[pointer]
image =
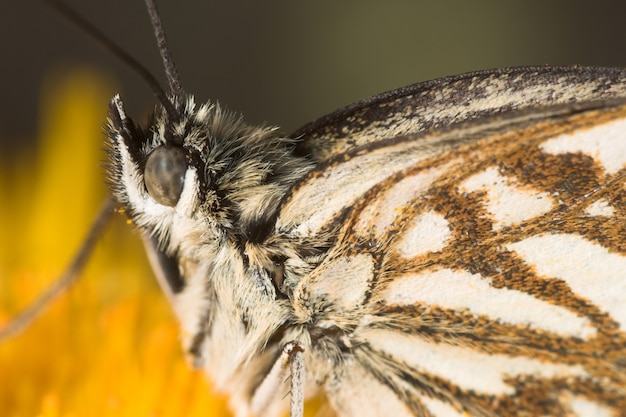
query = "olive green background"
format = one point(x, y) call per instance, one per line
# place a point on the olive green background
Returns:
point(288, 62)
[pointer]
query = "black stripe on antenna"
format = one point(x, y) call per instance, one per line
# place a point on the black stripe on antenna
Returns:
point(166, 56)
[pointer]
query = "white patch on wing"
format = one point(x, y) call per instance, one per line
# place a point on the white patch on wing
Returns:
point(509, 203)
point(356, 393)
point(343, 280)
point(315, 203)
point(428, 232)
point(439, 408)
point(462, 290)
point(463, 366)
point(381, 213)
point(600, 208)
point(589, 269)
point(582, 407)
point(604, 143)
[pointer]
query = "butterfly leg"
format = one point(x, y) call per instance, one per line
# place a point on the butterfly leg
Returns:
point(296, 362)
point(290, 364)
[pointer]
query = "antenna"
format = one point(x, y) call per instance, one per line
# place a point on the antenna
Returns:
point(104, 41)
point(166, 56)
point(71, 274)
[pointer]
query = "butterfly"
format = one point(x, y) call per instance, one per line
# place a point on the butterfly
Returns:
point(454, 247)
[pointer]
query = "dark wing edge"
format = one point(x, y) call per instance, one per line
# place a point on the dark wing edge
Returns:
point(450, 100)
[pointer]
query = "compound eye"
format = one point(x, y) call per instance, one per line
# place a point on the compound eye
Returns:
point(164, 174)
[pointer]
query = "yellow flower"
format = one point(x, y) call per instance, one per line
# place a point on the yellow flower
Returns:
point(109, 346)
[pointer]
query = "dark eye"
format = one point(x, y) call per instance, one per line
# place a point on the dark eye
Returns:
point(165, 173)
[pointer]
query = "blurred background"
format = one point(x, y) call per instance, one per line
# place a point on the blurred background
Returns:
point(288, 62)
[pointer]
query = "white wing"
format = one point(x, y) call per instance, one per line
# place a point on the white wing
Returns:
point(478, 270)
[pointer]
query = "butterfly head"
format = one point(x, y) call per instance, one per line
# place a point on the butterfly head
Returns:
point(201, 177)
point(200, 189)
